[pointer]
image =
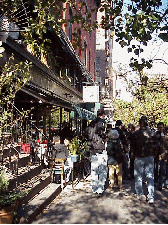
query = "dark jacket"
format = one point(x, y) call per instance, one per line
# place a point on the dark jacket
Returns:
point(144, 143)
point(163, 145)
point(130, 142)
point(114, 151)
point(122, 137)
point(95, 136)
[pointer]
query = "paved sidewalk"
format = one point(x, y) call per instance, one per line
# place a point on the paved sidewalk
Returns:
point(81, 206)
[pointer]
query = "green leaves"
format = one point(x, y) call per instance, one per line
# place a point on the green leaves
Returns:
point(13, 77)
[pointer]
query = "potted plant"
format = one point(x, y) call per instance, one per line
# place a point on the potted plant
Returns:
point(9, 201)
point(76, 148)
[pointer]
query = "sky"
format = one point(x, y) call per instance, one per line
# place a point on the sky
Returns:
point(155, 50)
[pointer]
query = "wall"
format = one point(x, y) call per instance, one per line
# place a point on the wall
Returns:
point(87, 39)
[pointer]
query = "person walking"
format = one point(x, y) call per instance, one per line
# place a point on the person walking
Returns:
point(96, 139)
point(161, 156)
point(144, 147)
point(166, 154)
point(131, 130)
point(115, 158)
point(122, 136)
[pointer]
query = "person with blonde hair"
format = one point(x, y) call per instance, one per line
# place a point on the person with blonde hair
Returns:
point(115, 158)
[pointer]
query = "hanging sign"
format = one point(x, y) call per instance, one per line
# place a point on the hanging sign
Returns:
point(91, 93)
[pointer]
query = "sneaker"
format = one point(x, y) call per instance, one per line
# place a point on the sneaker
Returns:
point(100, 194)
point(120, 188)
point(142, 198)
point(151, 201)
point(159, 188)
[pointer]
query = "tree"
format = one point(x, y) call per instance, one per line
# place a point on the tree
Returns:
point(150, 99)
point(14, 76)
point(137, 19)
point(129, 20)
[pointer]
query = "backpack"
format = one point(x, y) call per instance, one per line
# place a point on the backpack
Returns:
point(94, 133)
point(99, 128)
point(115, 149)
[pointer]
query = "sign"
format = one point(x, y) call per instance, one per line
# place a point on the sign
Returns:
point(91, 93)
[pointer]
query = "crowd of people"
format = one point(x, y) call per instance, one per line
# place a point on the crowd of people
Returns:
point(130, 152)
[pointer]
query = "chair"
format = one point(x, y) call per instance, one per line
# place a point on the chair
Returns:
point(58, 168)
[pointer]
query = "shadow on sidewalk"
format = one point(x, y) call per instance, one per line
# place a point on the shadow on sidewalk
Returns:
point(81, 206)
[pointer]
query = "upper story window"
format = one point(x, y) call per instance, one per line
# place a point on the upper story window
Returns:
point(70, 24)
point(98, 64)
point(89, 61)
point(79, 35)
point(86, 11)
point(85, 53)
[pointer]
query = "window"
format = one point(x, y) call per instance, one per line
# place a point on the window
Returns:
point(70, 24)
point(97, 63)
point(85, 53)
point(89, 61)
point(106, 82)
point(79, 35)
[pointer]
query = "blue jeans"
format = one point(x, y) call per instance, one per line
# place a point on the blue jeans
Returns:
point(126, 166)
point(162, 174)
point(144, 169)
point(98, 172)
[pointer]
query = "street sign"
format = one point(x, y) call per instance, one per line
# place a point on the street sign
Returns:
point(91, 93)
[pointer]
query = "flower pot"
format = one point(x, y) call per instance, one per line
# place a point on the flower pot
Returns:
point(74, 158)
point(6, 215)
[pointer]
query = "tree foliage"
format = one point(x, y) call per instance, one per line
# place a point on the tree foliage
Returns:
point(13, 77)
point(150, 99)
point(129, 20)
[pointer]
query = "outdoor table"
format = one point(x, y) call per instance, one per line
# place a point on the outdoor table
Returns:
point(25, 148)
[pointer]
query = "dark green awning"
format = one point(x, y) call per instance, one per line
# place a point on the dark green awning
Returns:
point(84, 114)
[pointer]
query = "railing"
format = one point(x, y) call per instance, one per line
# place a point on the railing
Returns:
point(9, 147)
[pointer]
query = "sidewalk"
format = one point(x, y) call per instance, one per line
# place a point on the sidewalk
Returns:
point(81, 206)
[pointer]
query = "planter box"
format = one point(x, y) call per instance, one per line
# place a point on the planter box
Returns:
point(6, 215)
point(74, 158)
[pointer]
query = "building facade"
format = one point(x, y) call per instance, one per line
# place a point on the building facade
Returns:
point(58, 78)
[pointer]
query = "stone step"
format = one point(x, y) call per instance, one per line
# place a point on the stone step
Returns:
point(36, 205)
point(21, 162)
point(37, 188)
point(22, 178)
point(11, 151)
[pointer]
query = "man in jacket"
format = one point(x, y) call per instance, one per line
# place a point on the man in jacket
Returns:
point(131, 130)
point(161, 159)
point(144, 147)
point(96, 141)
point(122, 137)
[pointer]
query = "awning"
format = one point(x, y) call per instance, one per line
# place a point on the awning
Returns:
point(84, 114)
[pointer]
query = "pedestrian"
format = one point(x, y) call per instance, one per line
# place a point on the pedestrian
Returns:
point(115, 158)
point(161, 156)
point(131, 130)
point(65, 133)
point(96, 141)
point(144, 147)
point(166, 156)
point(122, 136)
point(109, 128)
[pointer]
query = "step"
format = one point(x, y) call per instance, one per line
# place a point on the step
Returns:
point(40, 185)
point(23, 160)
point(36, 205)
point(25, 176)
point(11, 151)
